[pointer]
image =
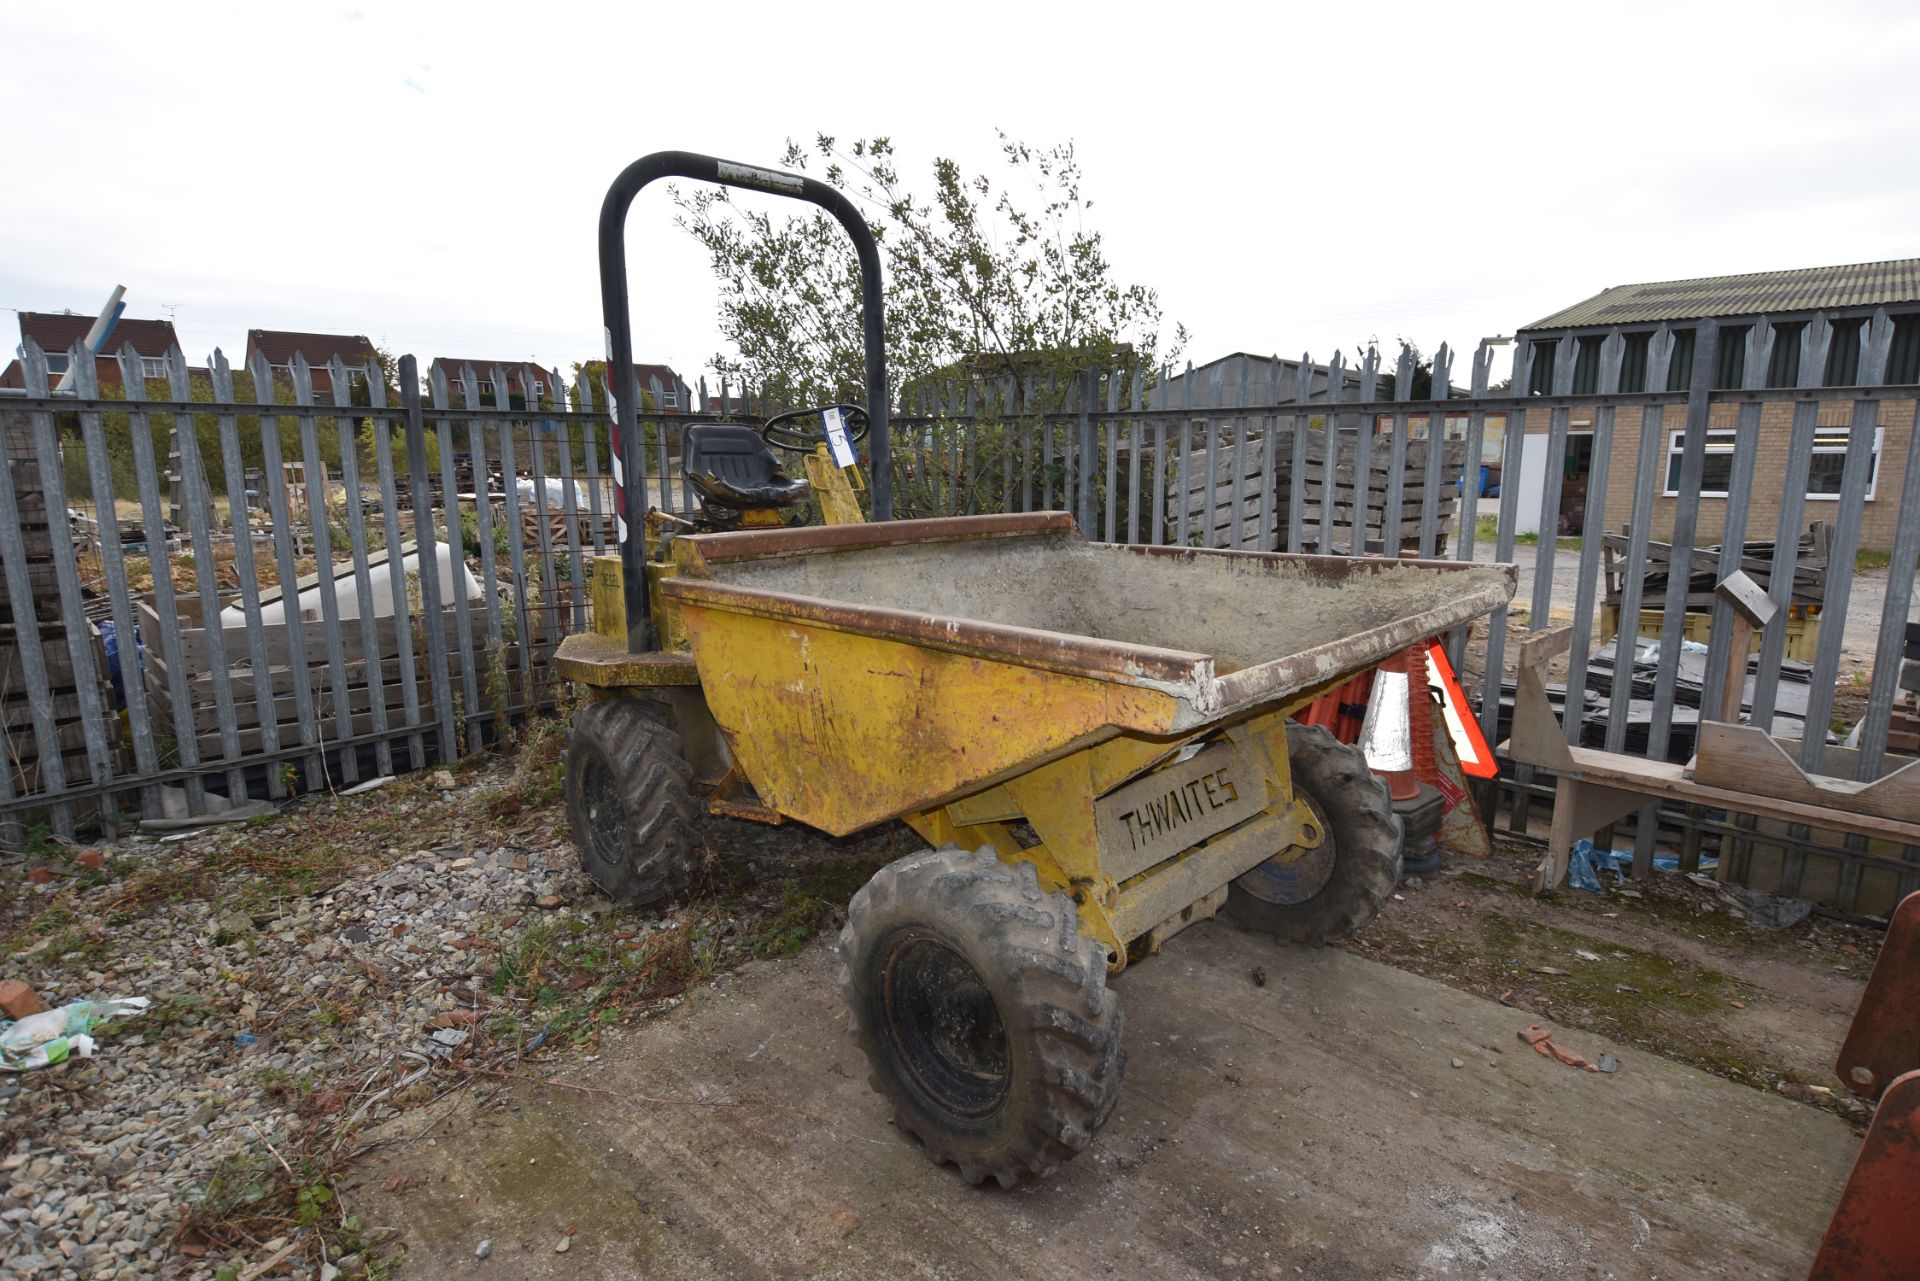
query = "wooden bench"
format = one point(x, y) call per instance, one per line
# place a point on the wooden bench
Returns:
point(1738, 768)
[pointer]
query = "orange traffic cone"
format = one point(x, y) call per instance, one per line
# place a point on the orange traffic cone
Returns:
point(1399, 717)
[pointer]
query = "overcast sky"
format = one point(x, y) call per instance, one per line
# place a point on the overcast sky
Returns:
point(1288, 177)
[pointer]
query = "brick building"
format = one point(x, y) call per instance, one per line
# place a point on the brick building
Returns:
point(521, 378)
point(1847, 296)
point(57, 332)
point(279, 346)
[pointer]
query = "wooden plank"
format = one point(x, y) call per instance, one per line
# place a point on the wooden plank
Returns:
point(374, 700)
point(1665, 779)
point(301, 645)
point(1744, 758)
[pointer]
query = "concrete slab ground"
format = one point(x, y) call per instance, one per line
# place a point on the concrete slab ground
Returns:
point(1311, 1127)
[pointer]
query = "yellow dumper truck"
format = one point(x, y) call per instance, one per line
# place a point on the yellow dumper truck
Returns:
point(1091, 738)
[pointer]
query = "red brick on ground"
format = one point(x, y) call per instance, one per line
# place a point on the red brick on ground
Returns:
point(18, 1000)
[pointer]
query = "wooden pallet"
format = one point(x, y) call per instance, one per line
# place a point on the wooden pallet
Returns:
point(369, 678)
point(1207, 501)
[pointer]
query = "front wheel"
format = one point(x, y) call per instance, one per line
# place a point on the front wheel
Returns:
point(1340, 885)
point(983, 1012)
point(630, 800)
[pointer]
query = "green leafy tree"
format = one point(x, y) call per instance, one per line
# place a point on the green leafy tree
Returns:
point(984, 275)
point(1422, 373)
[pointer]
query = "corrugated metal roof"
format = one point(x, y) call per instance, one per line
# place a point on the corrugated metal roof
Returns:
point(1866, 284)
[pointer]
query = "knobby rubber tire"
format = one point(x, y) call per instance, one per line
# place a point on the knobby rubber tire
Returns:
point(1356, 813)
point(1047, 982)
point(630, 800)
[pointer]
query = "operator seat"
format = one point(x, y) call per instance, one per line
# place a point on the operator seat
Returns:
point(731, 466)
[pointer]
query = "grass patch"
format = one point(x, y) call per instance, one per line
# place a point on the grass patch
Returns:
point(253, 1195)
point(1486, 529)
point(1868, 558)
point(1670, 1007)
point(564, 978)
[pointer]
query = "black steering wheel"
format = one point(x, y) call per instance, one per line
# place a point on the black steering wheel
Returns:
point(789, 432)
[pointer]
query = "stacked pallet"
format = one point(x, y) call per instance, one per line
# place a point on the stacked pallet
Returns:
point(372, 676)
point(72, 680)
point(1265, 492)
point(1903, 733)
point(1811, 555)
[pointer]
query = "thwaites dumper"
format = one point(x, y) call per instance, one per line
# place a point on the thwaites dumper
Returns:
point(1092, 739)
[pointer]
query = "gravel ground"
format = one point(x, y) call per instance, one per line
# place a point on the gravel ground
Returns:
point(266, 1014)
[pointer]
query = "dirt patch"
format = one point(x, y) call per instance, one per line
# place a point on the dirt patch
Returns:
point(1663, 966)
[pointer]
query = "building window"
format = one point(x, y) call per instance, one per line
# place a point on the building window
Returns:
point(1586, 365)
point(1633, 362)
point(1783, 366)
point(56, 364)
point(670, 398)
point(539, 388)
point(1730, 369)
point(1843, 353)
point(1680, 365)
point(1540, 376)
point(1823, 476)
point(153, 366)
point(1903, 358)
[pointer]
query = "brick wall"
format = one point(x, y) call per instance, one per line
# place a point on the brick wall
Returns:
point(1769, 474)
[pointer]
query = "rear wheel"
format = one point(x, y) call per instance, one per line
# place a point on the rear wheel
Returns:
point(1340, 885)
point(630, 800)
point(983, 1012)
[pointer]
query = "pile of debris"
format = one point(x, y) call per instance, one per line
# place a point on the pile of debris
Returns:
point(1689, 691)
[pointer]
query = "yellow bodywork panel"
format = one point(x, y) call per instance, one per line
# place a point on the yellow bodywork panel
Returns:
point(842, 730)
point(1058, 801)
point(602, 662)
point(834, 487)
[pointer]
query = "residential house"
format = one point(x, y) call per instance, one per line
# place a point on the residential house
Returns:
point(279, 346)
point(1846, 295)
point(675, 397)
point(521, 377)
point(57, 332)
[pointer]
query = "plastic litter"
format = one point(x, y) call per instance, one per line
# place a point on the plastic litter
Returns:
point(1586, 861)
point(1671, 862)
point(54, 1036)
point(1768, 911)
point(1541, 1039)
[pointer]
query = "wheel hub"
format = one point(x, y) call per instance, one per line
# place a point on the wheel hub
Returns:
point(603, 813)
point(1284, 881)
point(945, 1027)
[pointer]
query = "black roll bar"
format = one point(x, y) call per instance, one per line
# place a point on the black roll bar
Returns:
point(629, 457)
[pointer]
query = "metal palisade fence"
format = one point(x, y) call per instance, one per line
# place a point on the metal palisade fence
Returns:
point(223, 585)
point(1279, 455)
point(193, 505)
